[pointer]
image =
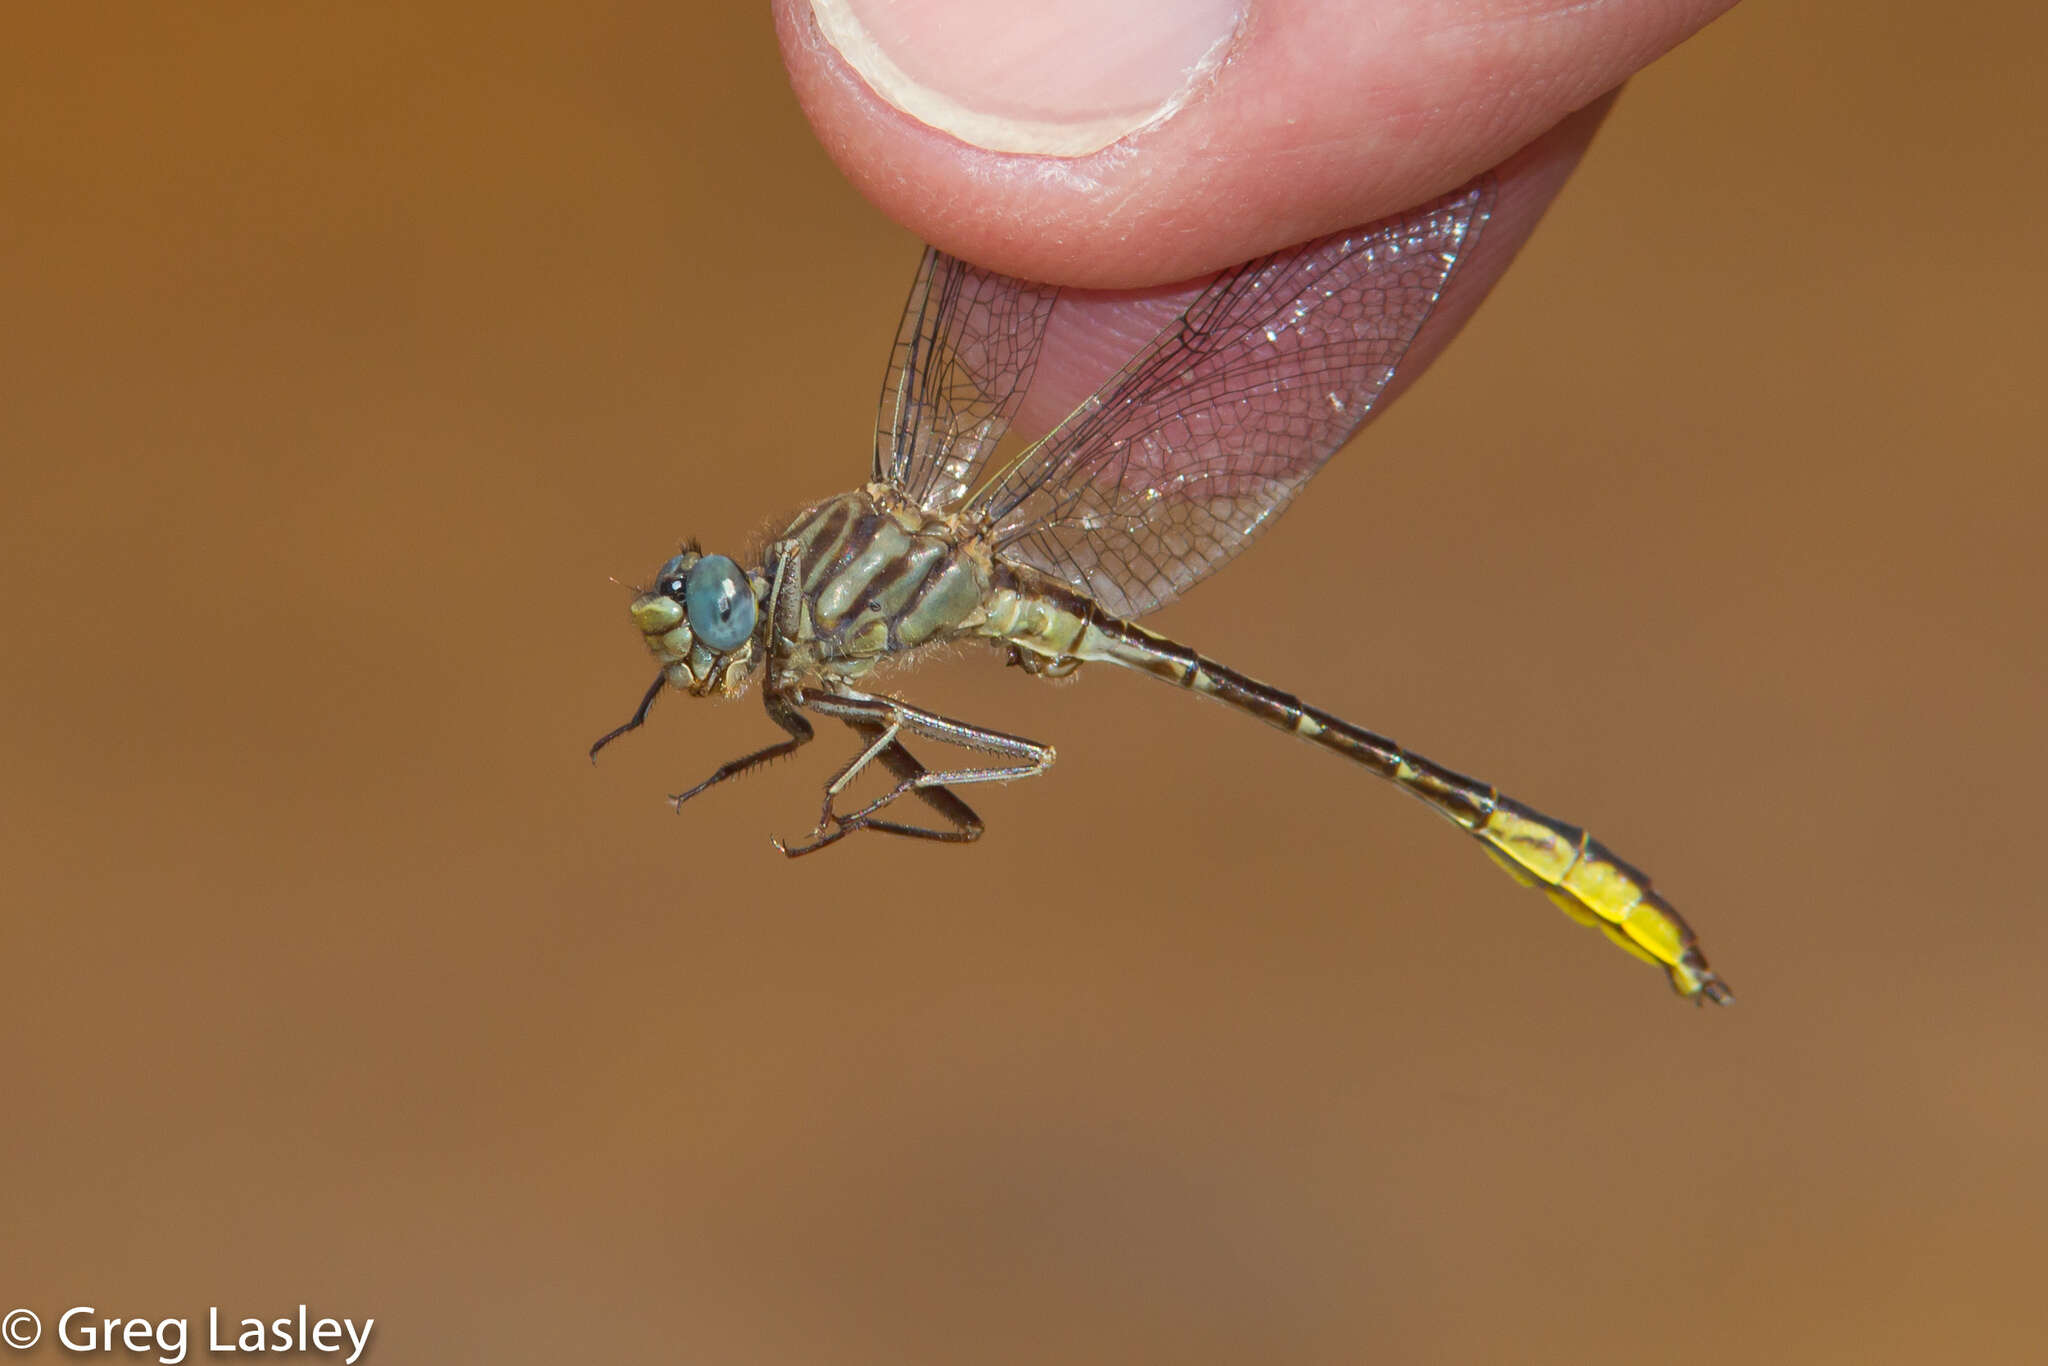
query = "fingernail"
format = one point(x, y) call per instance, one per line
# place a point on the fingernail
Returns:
point(1058, 78)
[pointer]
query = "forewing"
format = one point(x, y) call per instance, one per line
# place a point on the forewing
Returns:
point(1179, 460)
point(962, 361)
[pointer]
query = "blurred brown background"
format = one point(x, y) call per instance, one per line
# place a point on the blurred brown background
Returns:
point(346, 354)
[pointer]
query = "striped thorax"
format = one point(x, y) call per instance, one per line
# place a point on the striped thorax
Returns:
point(879, 577)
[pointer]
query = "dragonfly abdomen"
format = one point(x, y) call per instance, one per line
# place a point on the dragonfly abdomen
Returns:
point(1578, 873)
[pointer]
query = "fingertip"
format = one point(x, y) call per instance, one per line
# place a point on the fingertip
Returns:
point(1315, 121)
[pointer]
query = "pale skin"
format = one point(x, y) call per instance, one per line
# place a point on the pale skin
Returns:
point(1327, 113)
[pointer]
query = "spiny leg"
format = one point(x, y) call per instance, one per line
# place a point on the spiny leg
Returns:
point(785, 714)
point(893, 716)
point(884, 719)
point(633, 722)
point(966, 825)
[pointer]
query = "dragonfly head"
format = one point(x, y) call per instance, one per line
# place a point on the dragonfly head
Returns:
point(700, 619)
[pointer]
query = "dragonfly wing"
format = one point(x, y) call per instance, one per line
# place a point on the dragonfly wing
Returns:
point(963, 359)
point(1188, 451)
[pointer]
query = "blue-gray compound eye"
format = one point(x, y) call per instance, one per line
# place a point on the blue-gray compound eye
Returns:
point(720, 603)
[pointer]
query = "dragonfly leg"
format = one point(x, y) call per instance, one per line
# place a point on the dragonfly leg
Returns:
point(783, 712)
point(633, 722)
point(885, 719)
point(890, 716)
point(963, 825)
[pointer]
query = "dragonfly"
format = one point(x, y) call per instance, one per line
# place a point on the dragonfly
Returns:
point(1050, 554)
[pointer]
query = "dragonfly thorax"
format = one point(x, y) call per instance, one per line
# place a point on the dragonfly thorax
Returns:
point(700, 620)
point(875, 576)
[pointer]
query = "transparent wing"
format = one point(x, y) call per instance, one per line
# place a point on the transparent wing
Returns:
point(963, 359)
point(1179, 460)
